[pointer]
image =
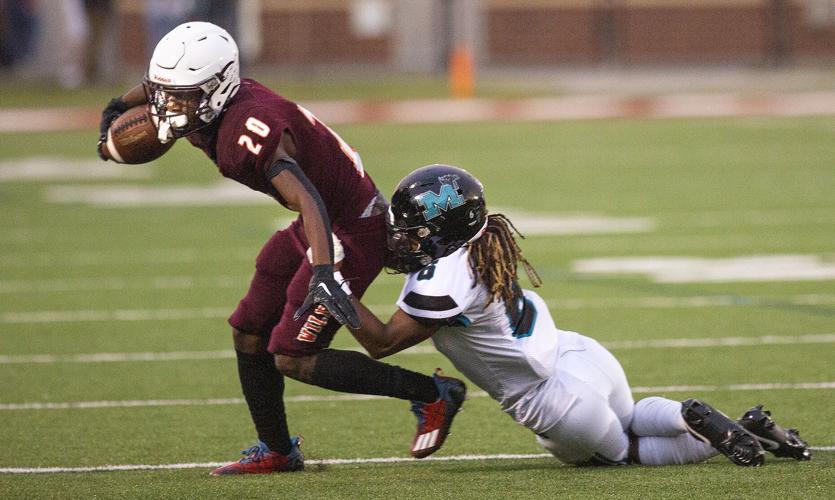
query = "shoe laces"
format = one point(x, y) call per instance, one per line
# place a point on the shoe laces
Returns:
point(254, 454)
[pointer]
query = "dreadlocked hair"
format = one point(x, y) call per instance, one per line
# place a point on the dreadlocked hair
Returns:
point(494, 257)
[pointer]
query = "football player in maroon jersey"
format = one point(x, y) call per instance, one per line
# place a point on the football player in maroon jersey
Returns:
point(285, 323)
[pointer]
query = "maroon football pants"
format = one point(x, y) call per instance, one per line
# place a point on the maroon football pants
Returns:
point(282, 276)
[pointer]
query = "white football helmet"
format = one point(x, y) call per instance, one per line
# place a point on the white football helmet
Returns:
point(192, 76)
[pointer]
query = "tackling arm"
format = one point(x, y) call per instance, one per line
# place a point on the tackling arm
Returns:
point(401, 332)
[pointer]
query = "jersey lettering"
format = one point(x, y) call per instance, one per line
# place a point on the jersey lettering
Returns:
point(245, 140)
point(344, 146)
point(314, 324)
point(258, 128)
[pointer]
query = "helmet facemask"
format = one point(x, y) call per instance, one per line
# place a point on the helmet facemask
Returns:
point(407, 249)
point(183, 109)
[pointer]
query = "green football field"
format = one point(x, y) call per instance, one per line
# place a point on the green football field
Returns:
point(702, 252)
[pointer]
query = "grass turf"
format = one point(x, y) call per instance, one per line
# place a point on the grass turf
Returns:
point(714, 188)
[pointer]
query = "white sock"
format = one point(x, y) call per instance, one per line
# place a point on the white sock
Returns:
point(682, 449)
point(656, 416)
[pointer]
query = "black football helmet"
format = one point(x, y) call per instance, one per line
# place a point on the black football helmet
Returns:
point(434, 211)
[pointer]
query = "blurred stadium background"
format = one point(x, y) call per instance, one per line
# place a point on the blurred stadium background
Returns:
point(75, 42)
point(671, 162)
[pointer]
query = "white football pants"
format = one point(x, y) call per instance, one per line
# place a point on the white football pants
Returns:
point(594, 430)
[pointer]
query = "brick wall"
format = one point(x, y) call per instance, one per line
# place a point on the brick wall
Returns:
point(692, 34)
point(293, 32)
point(322, 36)
point(653, 32)
point(543, 35)
point(545, 32)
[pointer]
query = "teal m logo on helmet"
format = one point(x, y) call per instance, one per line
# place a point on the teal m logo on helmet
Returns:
point(448, 198)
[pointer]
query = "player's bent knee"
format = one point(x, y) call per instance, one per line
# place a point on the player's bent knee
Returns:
point(288, 366)
point(298, 368)
point(248, 343)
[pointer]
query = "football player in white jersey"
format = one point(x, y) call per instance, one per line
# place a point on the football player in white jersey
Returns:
point(462, 291)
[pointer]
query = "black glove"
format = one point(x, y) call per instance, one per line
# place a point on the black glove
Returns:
point(325, 290)
point(114, 108)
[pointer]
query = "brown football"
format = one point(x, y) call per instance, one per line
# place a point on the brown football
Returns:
point(132, 138)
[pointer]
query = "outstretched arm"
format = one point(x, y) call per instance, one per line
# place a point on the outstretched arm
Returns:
point(401, 332)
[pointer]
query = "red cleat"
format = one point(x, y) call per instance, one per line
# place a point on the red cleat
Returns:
point(435, 419)
point(261, 460)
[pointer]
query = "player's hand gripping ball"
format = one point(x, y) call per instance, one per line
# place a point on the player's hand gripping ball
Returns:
point(132, 138)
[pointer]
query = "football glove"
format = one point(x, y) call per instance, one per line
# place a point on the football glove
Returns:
point(325, 290)
point(114, 108)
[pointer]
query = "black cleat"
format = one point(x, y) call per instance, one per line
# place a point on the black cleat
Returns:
point(774, 438)
point(715, 428)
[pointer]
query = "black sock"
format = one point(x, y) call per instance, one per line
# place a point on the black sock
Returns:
point(263, 388)
point(350, 371)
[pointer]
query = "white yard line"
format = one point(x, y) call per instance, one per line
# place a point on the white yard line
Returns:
point(121, 283)
point(733, 387)
point(210, 465)
point(45, 169)
point(332, 461)
point(747, 268)
point(88, 405)
point(696, 301)
point(185, 255)
point(18, 317)
point(116, 357)
point(122, 357)
point(720, 341)
point(114, 315)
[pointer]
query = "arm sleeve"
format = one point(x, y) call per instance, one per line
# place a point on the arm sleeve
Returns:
point(282, 164)
point(288, 164)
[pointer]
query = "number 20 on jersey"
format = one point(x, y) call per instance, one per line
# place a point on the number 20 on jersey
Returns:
point(262, 130)
point(258, 128)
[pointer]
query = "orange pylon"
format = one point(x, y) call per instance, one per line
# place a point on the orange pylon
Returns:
point(461, 72)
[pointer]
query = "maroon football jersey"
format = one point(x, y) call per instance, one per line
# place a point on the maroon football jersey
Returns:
point(243, 140)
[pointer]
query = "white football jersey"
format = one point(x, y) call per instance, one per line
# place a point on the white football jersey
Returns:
point(511, 359)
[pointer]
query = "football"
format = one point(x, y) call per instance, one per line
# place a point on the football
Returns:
point(132, 138)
